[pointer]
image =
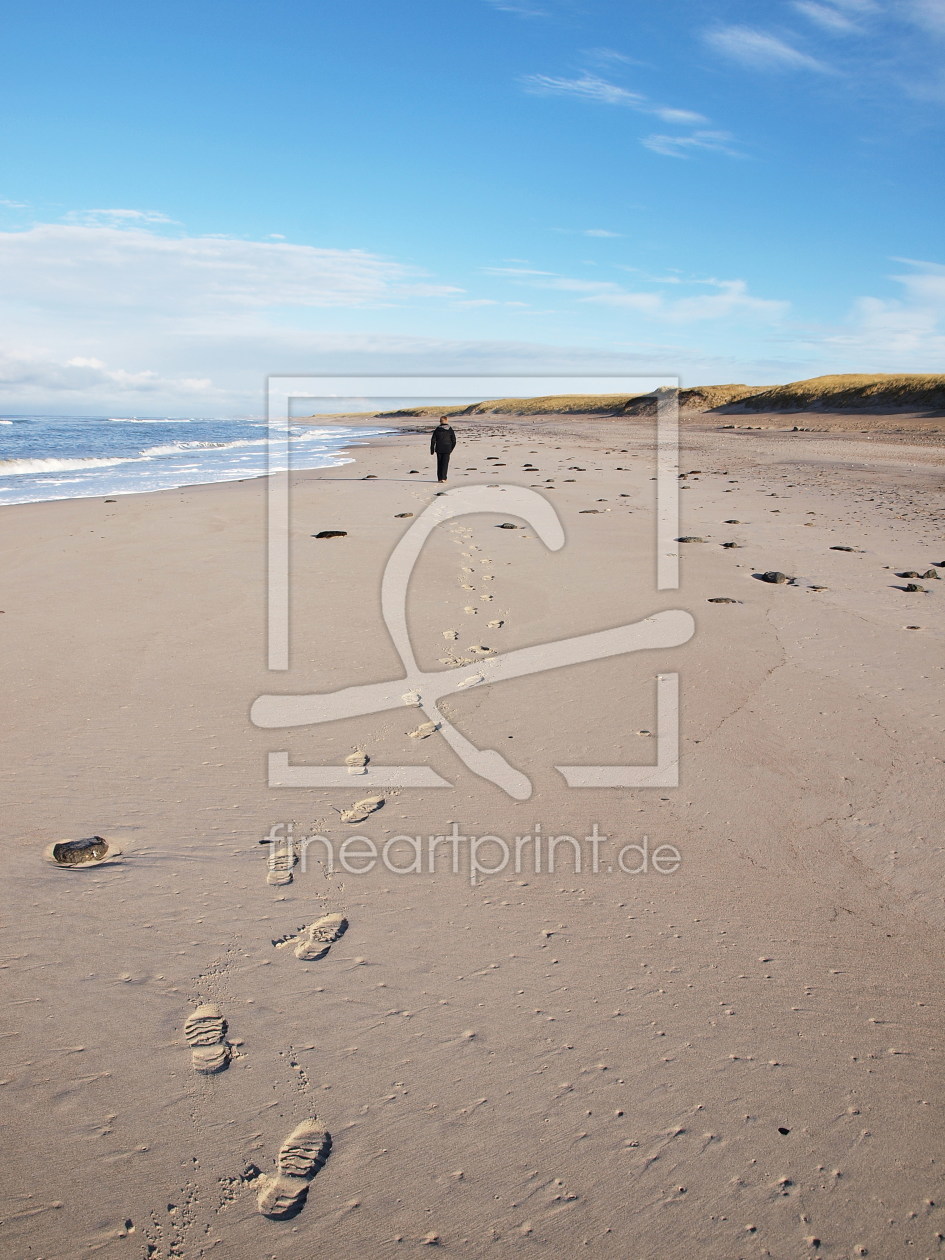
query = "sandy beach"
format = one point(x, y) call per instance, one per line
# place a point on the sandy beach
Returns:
point(738, 1055)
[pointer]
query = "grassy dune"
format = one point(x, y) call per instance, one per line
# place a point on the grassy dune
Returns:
point(878, 392)
point(913, 392)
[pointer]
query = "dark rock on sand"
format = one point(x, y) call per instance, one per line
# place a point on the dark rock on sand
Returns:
point(733, 522)
point(912, 588)
point(722, 599)
point(506, 525)
point(909, 573)
point(690, 538)
point(79, 852)
point(838, 548)
point(399, 516)
point(731, 544)
point(931, 573)
point(332, 533)
point(773, 575)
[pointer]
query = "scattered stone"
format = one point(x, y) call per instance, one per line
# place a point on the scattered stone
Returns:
point(722, 599)
point(773, 575)
point(913, 627)
point(414, 472)
point(729, 545)
point(357, 762)
point(88, 852)
point(589, 512)
point(733, 522)
point(931, 573)
point(399, 516)
point(424, 731)
point(370, 477)
point(506, 525)
point(331, 533)
point(690, 538)
point(909, 573)
point(111, 500)
point(838, 548)
point(913, 588)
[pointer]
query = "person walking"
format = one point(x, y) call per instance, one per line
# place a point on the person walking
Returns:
point(442, 441)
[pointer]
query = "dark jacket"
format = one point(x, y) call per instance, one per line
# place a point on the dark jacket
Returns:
point(442, 440)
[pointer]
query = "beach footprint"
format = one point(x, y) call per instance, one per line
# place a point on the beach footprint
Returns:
point(279, 866)
point(205, 1032)
point(300, 1157)
point(314, 941)
point(360, 809)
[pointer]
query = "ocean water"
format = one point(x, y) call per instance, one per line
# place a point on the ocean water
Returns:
point(79, 457)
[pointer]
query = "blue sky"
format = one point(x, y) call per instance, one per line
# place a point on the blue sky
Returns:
point(195, 196)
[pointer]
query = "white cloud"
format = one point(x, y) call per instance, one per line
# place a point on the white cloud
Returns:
point(684, 117)
point(607, 56)
point(682, 146)
point(119, 218)
point(826, 16)
point(928, 14)
point(587, 88)
point(109, 312)
point(80, 265)
point(905, 334)
point(761, 51)
point(600, 232)
point(732, 301)
point(590, 87)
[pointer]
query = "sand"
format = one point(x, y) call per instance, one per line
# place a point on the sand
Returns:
point(214, 1049)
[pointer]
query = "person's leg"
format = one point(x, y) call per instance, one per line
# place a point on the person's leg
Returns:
point(442, 465)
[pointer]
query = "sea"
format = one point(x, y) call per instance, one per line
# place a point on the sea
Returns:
point(81, 457)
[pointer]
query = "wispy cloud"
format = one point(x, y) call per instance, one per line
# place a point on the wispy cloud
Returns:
point(827, 17)
point(762, 51)
point(590, 87)
point(905, 334)
point(732, 301)
point(929, 14)
point(118, 218)
point(607, 56)
point(587, 88)
point(519, 7)
point(683, 146)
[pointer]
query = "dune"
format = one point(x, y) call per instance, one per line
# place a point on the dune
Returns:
point(877, 392)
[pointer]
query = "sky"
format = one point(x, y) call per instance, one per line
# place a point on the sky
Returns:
point(196, 196)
